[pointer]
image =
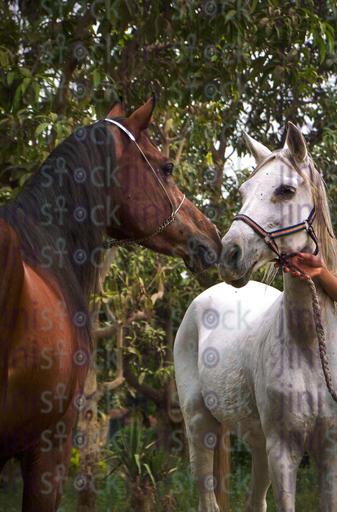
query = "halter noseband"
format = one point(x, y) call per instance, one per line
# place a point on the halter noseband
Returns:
point(167, 222)
point(269, 236)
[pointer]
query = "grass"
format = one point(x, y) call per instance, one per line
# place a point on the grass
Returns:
point(115, 496)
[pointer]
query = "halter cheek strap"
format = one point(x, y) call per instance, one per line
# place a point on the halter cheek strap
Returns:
point(167, 222)
point(269, 236)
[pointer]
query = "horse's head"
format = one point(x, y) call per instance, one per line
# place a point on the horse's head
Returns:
point(144, 190)
point(280, 193)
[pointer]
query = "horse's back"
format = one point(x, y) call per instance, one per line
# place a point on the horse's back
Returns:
point(225, 310)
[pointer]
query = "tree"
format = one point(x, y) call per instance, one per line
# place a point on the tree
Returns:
point(216, 66)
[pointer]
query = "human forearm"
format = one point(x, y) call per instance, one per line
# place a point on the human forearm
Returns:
point(312, 266)
point(328, 282)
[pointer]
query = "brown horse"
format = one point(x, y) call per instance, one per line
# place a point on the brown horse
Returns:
point(104, 180)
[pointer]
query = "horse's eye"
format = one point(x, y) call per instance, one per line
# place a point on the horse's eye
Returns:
point(285, 191)
point(168, 169)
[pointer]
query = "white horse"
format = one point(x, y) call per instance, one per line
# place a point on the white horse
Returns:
point(247, 358)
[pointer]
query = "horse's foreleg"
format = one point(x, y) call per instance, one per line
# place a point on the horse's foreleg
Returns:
point(283, 467)
point(45, 468)
point(202, 428)
point(325, 460)
point(259, 481)
point(202, 431)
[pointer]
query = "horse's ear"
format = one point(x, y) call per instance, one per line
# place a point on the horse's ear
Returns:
point(142, 118)
point(296, 143)
point(258, 151)
point(117, 109)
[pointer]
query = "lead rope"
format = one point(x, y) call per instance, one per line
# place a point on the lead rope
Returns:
point(319, 328)
point(269, 238)
point(321, 339)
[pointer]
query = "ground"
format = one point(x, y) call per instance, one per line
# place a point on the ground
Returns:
point(114, 497)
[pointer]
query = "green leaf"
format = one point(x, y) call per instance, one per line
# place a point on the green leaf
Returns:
point(322, 49)
point(25, 72)
point(133, 437)
point(96, 78)
point(150, 474)
point(41, 128)
point(137, 459)
point(301, 88)
point(230, 15)
point(36, 88)
point(3, 59)
point(141, 378)
point(148, 303)
point(308, 12)
point(18, 94)
point(330, 42)
point(10, 77)
point(26, 82)
point(254, 4)
point(209, 158)
point(23, 179)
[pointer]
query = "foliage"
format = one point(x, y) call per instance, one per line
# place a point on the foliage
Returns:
point(114, 492)
point(134, 455)
point(218, 66)
point(133, 281)
point(75, 460)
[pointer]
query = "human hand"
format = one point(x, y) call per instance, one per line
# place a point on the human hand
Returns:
point(309, 264)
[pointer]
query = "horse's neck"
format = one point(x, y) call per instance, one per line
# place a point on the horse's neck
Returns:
point(297, 316)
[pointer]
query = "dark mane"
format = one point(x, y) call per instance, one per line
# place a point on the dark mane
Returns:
point(45, 218)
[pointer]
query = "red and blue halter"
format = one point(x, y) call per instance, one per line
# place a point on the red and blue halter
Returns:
point(269, 236)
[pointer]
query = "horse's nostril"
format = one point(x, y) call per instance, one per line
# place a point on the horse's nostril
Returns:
point(232, 256)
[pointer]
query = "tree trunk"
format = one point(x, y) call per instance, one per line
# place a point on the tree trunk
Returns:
point(143, 498)
point(87, 430)
point(222, 468)
point(170, 431)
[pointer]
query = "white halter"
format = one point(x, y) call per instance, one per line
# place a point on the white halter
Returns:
point(169, 220)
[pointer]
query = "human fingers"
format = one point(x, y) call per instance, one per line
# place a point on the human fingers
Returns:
point(295, 274)
point(309, 259)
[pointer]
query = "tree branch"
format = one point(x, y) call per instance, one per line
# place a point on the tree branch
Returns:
point(173, 139)
point(159, 294)
point(180, 149)
point(172, 268)
point(111, 330)
point(153, 394)
point(109, 386)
